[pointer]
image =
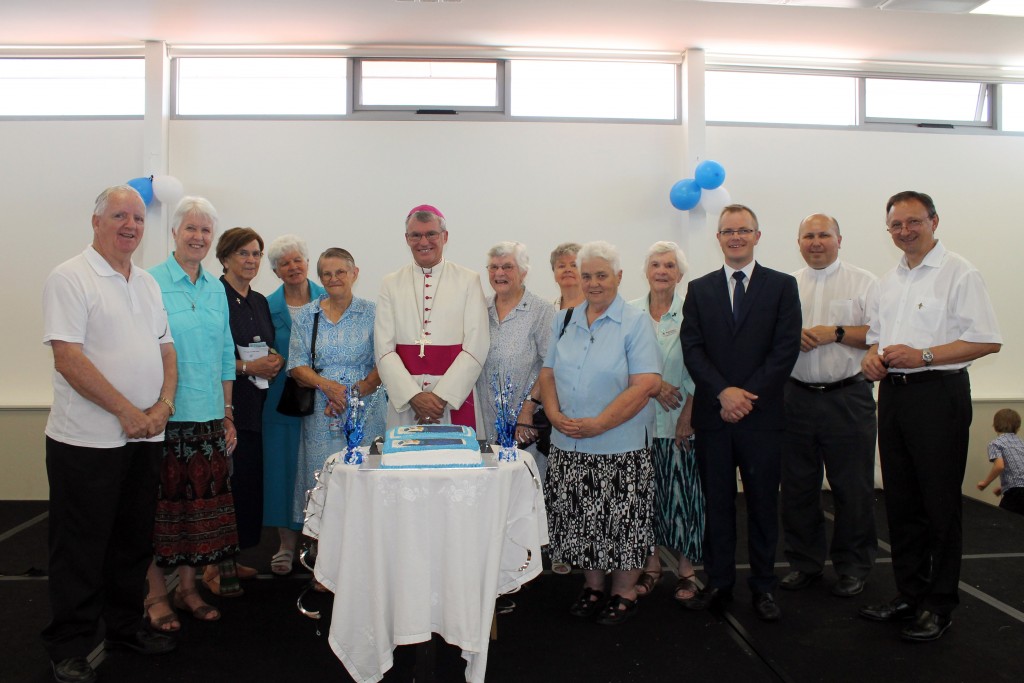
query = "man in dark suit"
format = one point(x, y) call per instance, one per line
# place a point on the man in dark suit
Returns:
point(740, 338)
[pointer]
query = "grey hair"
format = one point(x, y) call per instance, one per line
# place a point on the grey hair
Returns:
point(286, 244)
point(104, 197)
point(599, 249)
point(197, 205)
point(426, 217)
point(516, 249)
point(664, 247)
point(564, 249)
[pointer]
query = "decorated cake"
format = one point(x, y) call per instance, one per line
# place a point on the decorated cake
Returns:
point(426, 446)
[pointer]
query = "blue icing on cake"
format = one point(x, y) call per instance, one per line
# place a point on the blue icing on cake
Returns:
point(430, 447)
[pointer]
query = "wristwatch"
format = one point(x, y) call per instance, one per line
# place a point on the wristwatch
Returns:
point(840, 333)
point(927, 356)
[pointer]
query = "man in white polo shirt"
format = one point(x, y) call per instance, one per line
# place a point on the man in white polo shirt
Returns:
point(113, 389)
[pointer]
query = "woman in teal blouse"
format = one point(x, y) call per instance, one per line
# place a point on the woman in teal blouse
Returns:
point(289, 258)
point(195, 516)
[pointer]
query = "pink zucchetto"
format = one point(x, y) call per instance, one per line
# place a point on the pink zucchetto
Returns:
point(425, 207)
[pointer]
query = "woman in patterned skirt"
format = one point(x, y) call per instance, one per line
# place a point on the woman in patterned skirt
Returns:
point(596, 386)
point(678, 501)
point(195, 514)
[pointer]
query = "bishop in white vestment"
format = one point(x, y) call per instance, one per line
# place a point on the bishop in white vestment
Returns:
point(431, 331)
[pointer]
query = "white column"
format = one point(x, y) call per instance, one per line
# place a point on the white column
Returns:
point(156, 245)
point(696, 238)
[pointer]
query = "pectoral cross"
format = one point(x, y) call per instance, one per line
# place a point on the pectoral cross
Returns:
point(422, 341)
point(920, 306)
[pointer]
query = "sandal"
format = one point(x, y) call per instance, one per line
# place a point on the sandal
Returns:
point(281, 562)
point(646, 583)
point(219, 582)
point(584, 605)
point(685, 588)
point(203, 612)
point(611, 615)
point(168, 623)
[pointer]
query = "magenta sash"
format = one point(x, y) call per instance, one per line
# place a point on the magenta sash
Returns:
point(436, 361)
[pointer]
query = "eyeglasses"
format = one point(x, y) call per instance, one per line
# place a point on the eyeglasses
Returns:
point(742, 232)
point(504, 267)
point(911, 224)
point(431, 236)
point(327, 276)
point(244, 254)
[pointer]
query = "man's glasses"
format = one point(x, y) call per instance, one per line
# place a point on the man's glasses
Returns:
point(431, 236)
point(742, 232)
point(911, 224)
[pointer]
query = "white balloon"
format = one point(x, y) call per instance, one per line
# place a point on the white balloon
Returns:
point(713, 201)
point(168, 189)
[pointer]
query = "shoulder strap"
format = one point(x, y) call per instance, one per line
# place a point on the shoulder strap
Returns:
point(312, 344)
point(565, 322)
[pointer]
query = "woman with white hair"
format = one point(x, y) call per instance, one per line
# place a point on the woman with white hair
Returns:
point(678, 501)
point(596, 385)
point(195, 513)
point(289, 258)
point(520, 328)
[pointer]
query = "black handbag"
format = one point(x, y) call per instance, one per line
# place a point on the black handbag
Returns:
point(297, 400)
point(540, 419)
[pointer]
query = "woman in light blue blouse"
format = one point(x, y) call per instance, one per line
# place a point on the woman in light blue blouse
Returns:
point(195, 515)
point(678, 501)
point(344, 356)
point(520, 327)
point(596, 386)
point(289, 258)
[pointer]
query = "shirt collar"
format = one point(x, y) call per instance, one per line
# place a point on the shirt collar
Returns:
point(613, 312)
point(827, 271)
point(933, 259)
point(178, 273)
point(748, 270)
point(102, 267)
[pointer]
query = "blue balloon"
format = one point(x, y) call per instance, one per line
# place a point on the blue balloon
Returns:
point(685, 194)
point(709, 174)
point(144, 186)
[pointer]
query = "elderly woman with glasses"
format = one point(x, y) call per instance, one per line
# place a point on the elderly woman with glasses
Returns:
point(343, 358)
point(289, 258)
point(679, 503)
point(596, 385)
point(520, 329)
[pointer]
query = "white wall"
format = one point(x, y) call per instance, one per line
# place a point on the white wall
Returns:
point(350, 183)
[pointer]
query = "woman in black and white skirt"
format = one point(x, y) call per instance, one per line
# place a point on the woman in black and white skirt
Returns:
point(596, 386)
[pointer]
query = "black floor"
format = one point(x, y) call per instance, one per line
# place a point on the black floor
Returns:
point(262, 636)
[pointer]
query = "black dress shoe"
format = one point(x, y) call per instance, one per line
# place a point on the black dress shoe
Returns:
point(798, 580)
point(848, 586)
point(927, 626)
point(765, 607)
point(73, 670)
point(708, 598)
point(588, 603)
point(145, 642)
point(897, 609)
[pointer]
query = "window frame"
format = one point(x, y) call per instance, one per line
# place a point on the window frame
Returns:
point(356, 89)
point(79, 117)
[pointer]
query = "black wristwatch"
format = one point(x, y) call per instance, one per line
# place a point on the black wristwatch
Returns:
point(840, 333)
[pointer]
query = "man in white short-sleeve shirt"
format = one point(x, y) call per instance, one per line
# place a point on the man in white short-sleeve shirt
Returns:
point(929, 318)
point(830, 419)
point(113, 390)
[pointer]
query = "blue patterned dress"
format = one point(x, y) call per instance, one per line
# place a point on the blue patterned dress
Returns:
point(344, 353)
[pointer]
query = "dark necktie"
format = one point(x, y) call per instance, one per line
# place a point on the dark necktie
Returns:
point(737, 294)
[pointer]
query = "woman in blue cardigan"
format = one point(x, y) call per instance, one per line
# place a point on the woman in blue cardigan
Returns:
point(290, 260)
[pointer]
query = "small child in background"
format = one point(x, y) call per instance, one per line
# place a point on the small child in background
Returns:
point(1006, 453)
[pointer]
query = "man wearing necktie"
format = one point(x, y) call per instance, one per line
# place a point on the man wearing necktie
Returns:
point(740, 337)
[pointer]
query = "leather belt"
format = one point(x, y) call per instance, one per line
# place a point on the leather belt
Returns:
point(831, 386)
point(903, 378)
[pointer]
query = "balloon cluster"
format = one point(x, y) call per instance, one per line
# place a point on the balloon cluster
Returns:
point(167, 189)
point(704, 188)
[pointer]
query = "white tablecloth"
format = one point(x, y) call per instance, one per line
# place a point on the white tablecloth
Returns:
point(414, 552)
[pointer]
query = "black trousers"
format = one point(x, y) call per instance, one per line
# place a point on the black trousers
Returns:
point(833, 434)
point(247, 487)
point(757, 454)
point(923, 431)
point(102, 503)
